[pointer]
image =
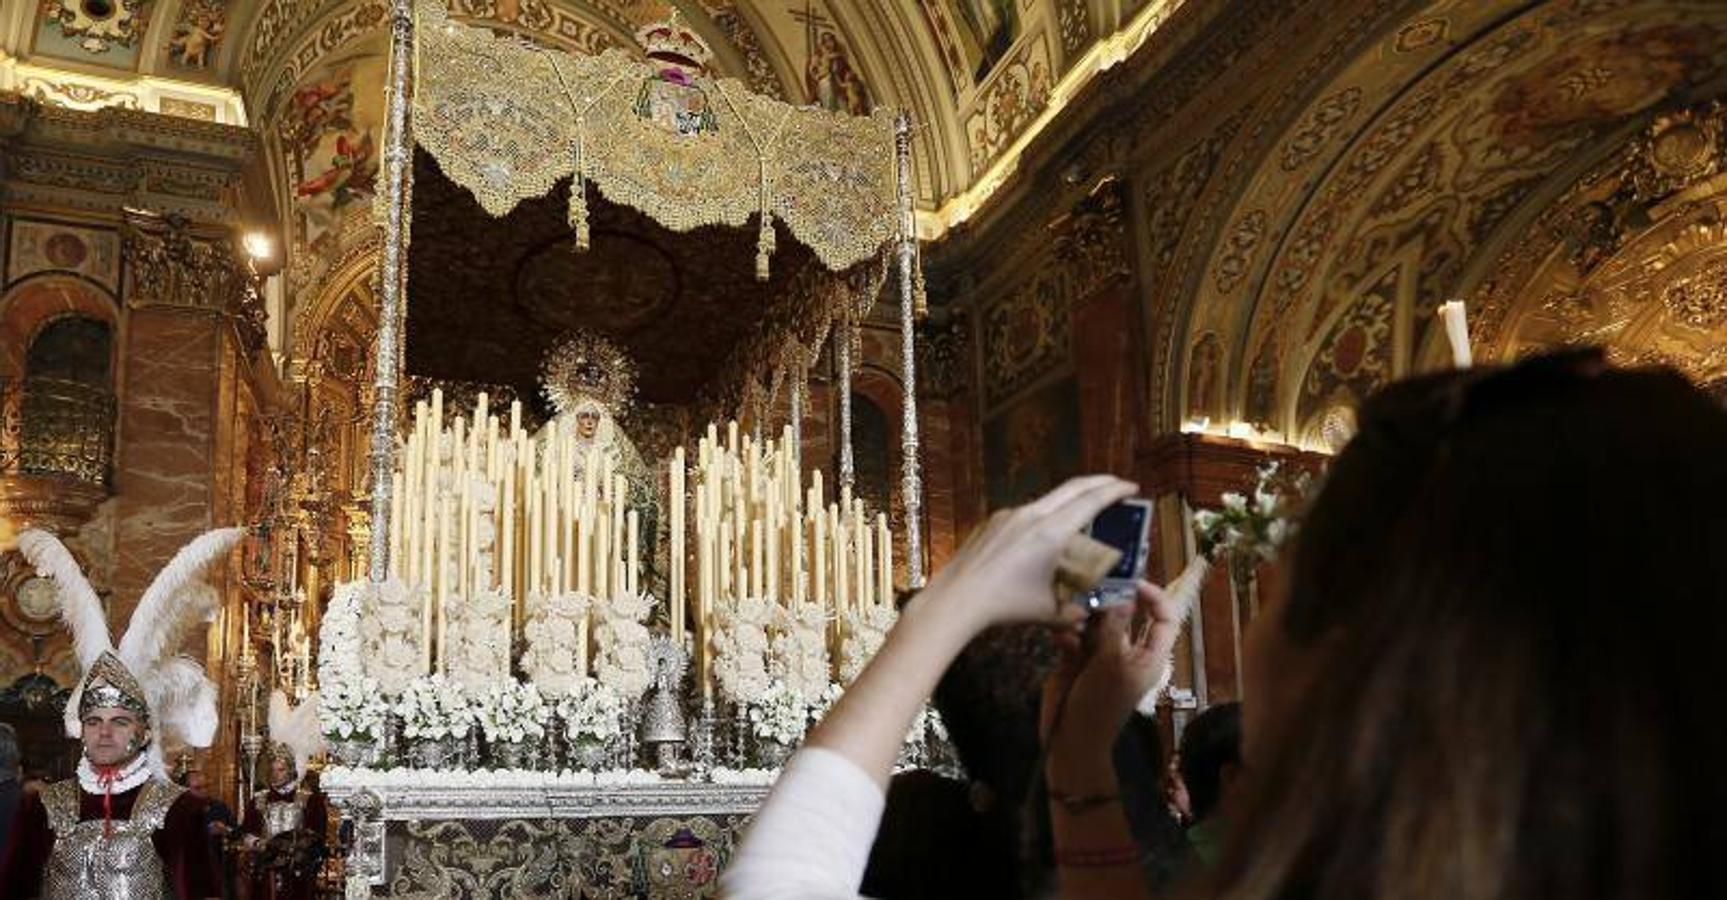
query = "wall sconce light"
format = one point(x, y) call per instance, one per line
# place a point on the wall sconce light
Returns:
point(260, 250)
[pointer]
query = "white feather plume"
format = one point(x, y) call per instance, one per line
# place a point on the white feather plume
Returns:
point(185, 700)
point(174, 601)
point(80, 608)
point(1183, 592)
point(296, 726)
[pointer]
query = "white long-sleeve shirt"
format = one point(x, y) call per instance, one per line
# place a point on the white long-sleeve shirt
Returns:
point(811, 838)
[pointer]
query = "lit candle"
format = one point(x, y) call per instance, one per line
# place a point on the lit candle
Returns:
point(584, 548)
point(818, 554)
point(620, 500)
point(884, 555)
point(771, 574)
point(1456, 322)
point(676, 491)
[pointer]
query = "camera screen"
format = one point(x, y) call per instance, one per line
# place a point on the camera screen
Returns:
point(1121, 526)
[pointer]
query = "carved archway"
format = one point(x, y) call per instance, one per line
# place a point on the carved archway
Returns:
point(1426, 155)
point(30, 305)
point(1633, 257)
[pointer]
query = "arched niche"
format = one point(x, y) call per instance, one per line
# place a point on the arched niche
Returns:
point(35, 303)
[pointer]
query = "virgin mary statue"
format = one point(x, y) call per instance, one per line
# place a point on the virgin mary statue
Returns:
point(590, 382)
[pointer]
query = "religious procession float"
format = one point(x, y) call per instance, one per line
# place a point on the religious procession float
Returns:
point(568, 659)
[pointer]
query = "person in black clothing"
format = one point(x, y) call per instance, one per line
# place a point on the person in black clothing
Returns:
point(218, 820)
point(1210, 764)
point(11, 789)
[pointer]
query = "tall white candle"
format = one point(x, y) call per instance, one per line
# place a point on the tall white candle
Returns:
point(676, 496)
point(884, 556)
point(818, 554)
point(1455, 319)
point(635, 568)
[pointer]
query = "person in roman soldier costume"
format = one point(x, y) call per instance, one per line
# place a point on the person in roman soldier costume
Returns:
point(121, 830)
point(286, 823)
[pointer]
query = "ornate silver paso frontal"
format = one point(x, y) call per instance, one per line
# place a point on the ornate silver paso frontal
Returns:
point(491, 802)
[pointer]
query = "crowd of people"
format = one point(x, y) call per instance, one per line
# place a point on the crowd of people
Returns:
point(1482, 670)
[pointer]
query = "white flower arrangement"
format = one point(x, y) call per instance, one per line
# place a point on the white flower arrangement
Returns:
point(798, 650)
point(593, 711)
point(433, 708)
point(780, 714)
point(340, 646)
point(352, 708)
point(1251, 530)
point(740, 663)
point(479, 629)
point(621, 641)
point(390, 628)
point(865, 630)
point(512, 712)
point(552, 629)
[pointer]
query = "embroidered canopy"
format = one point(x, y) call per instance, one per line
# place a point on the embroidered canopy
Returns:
point(506, 120)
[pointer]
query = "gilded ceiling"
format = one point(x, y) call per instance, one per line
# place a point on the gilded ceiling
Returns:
point(975, 73)
point(1409, 175)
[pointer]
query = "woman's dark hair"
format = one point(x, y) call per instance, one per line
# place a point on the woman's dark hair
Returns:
point(1510, 605)
point(1211, 742)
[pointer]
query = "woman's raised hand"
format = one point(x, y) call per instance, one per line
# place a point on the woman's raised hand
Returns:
point(1006, 572)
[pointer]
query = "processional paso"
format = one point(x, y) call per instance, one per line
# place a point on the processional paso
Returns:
point(519, 575)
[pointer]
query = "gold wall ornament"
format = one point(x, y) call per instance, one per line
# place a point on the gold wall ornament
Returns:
point(173, 265)
point(667, 139)
point(1679, 150)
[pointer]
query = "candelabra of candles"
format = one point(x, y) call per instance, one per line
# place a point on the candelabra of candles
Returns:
point(483, 506)
point(762, 532)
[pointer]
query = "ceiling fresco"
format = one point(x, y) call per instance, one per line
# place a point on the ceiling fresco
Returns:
point(974, 73)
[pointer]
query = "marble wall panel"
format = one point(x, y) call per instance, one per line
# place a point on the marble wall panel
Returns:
point(168, 419)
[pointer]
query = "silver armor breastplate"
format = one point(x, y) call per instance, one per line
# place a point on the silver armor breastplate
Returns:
point(88, 864)
point(280, 815)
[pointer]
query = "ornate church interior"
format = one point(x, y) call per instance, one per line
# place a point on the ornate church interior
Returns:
point(575, 388)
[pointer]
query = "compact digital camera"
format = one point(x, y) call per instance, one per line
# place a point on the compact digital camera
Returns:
point(1126, 526)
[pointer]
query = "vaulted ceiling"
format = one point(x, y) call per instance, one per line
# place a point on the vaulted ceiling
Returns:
point(976, 74)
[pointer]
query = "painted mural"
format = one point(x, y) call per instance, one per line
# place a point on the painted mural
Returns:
point(51, 247)
point(330, 134)
point(1033, 445)
point(831, 78)
point(972, 36)
point(1433, 176)
point(987, 28)
point(1204, 378)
